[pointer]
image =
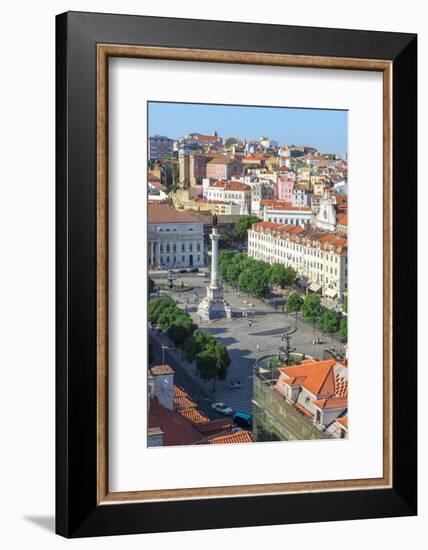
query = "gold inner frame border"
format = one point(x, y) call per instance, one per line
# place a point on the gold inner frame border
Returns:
point(104, 52)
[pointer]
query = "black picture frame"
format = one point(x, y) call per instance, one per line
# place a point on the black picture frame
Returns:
point(77, 511)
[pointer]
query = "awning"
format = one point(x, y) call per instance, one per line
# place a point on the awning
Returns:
point(331, 292)
point(314, 287)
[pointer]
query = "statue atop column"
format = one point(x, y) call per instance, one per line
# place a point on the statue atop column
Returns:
point(214, 306)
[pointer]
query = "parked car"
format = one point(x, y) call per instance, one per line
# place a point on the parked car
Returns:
point(235, 384)
point(222, 408)
point(202, 274)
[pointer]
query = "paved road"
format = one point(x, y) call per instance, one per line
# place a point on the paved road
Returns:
point(242, 340)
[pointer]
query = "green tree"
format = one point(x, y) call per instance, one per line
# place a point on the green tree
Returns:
point(294, 303)
point(244, 281)
point(226, 238)
point(196, 343)
point(343, 329)
point(213, 362)
point(345, 303)
point(175, 175)
point(224, 259)
point(158, 306)
point(235, 267)
point(180, 329)
point(151, 285)
point(329, 321)
point(259, 278)
point(243, 225)
point(312, 307)
point(281, 276)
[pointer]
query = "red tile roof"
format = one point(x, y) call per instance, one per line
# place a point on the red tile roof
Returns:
point(177, 429)
point(161, 369)
point(311, 237)
point(186, 407)
point(163, 213)
point(343, 421)
point(220, 159)
point(233, 437)
point(265, 225)
point(315, 376)
point(194, 416)
point(275, 204)
point(207, 138)
point(331, 403)
point(231, 185)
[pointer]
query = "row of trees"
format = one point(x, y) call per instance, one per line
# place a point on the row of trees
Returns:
point(327, 320)
point(253, 276)
point(212, 359)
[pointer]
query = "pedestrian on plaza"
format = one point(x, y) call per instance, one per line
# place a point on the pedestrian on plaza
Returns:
point(250, 322)
point(258, 347)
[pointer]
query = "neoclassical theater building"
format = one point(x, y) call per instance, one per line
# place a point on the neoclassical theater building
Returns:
point(175, 239)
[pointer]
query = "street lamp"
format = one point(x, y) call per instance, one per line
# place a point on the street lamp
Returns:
point(163, 352)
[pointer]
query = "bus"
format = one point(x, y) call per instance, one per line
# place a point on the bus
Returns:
point(243, 420)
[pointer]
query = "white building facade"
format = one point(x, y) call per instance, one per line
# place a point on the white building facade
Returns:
point(174, 239)
point(319, 258)
point(230, 191)
point(285, 213)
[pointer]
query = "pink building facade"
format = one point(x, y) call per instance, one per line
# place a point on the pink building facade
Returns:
point(285, 189)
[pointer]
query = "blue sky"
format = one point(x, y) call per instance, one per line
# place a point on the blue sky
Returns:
point(324, 129)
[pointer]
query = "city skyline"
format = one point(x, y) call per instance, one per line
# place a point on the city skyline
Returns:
point(324, 129)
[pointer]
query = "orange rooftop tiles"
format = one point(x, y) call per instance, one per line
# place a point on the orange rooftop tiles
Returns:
point(161, 369)
point(163, 213)
point(234, 437)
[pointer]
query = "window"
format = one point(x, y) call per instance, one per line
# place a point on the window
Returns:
point(174, 248)
point(198, 247)
point(190, 247)
point(161, 248)
point(183, 248)
point(167, 247)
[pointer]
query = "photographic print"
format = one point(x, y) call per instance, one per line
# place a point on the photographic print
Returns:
point(247, 274)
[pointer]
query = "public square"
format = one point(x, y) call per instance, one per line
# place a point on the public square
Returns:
point(245, 343)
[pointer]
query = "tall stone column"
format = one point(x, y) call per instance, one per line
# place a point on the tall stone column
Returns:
point(215, 237)
point(213, 306)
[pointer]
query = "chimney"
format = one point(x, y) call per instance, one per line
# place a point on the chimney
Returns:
point(163, 387)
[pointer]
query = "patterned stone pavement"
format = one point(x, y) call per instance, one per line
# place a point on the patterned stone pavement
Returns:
point(241, 340)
